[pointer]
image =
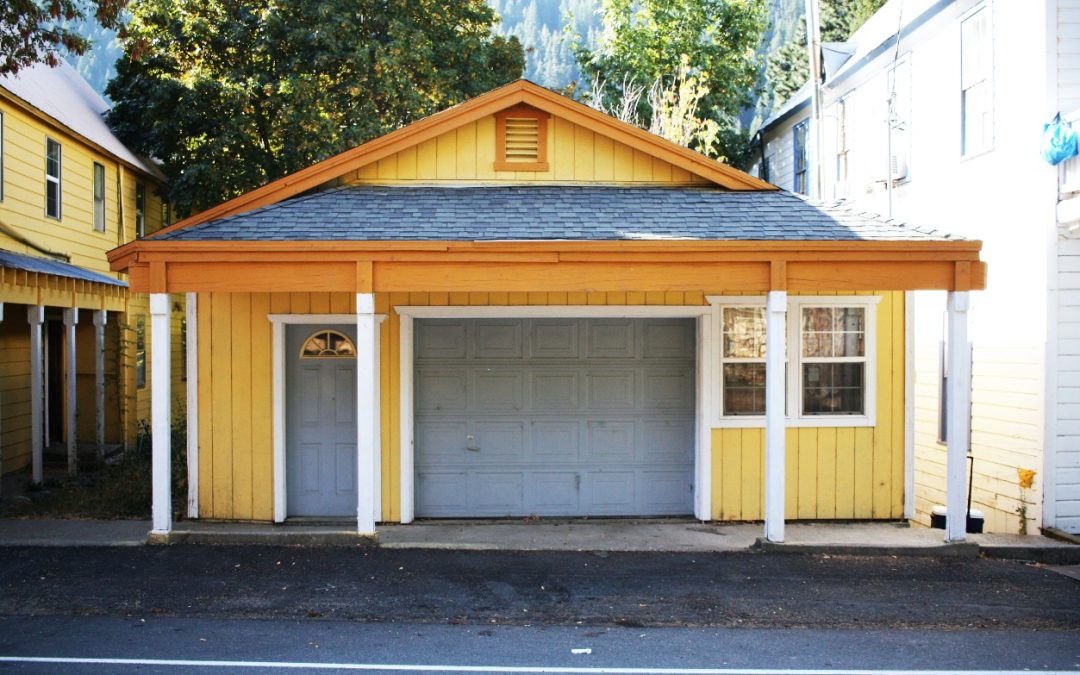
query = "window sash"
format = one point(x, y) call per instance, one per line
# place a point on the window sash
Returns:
point(99, 197)
point(140, 210)
point(53, 168)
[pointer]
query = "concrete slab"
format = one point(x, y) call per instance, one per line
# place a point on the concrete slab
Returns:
point(55, 532)
point(571, 535)
point(262, 534)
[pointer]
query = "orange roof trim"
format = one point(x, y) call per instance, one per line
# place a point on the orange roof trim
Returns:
point(515, 93)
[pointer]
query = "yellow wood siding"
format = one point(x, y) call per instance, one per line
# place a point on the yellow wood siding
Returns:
point(575, 154)
point(14, 389)
point(831, 473)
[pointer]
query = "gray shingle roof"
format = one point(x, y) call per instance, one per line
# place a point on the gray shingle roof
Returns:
point(29, 263)
point(547, 212)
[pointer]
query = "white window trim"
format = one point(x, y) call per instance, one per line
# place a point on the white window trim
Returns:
point(99, 227)
point(966, 154)
point(58, 179)
point(794, 417)
point(705, 377)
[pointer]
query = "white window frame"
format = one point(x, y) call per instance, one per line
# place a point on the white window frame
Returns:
point(804, 127)
point(966, 150)
point(58, 179)
point(140, 210)
point(99, 207)
point(793, 396)
point(841, 184)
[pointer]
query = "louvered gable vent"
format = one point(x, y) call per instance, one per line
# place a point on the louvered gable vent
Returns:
point(521, 139)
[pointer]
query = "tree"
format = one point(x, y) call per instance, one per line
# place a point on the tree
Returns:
point(231, 94)
point(646, 40)
point(788, 68)
point(37, 31)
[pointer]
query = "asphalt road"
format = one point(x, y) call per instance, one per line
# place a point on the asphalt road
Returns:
point(309, 607)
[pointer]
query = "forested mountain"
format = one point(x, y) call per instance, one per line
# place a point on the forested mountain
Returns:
point(547, 29)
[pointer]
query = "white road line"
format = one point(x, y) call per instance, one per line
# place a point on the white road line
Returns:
point(408, 667)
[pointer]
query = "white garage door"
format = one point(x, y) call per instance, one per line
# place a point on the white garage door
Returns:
point(554, 417)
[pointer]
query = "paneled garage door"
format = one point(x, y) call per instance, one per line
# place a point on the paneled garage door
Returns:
point(554, 417)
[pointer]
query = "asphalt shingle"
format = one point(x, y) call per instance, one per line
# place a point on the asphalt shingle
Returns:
point(549, 212)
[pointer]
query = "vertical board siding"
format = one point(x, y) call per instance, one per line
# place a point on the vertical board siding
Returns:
point(575, 154)
point(1068, 55)
point(831, 473)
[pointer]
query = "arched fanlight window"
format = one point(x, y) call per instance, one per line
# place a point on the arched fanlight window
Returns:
point(327, 344)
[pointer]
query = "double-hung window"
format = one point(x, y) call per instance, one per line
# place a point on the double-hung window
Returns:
point(830, 360)
point(976, 83)
point(843, 148)
point(801, 172)
point(99, 197)
point(140, 210)
point(52, 179)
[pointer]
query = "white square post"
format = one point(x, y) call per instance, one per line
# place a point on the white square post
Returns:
point(958, 421)
point(71, 320)
point(775, 394)
point(160, 395)
point(367, 411)
point(100, 317)
point(35, 316)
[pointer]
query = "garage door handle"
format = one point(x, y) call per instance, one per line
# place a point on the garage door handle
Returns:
point(470, 444)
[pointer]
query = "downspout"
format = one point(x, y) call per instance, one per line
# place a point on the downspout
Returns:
point(18, 236)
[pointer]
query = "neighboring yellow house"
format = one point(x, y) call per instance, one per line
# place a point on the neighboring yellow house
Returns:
point(73, 340)
point(523, 306)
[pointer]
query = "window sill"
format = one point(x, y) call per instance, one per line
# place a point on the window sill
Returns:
point(828, 422)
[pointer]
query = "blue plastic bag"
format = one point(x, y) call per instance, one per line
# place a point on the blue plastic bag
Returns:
point(1059, 141)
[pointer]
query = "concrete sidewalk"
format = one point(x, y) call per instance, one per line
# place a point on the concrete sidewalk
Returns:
point(631, 535)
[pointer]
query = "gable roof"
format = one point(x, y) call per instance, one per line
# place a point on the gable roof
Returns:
point(60, 94)
point(547, 213)
point(520, 91)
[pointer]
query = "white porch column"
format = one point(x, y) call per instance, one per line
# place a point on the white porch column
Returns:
point(35, 316)
point(160, 395)
point(192, 322)
point(959, 417)
point(100, 317)
point(775, 393)
point(367, 411)
point(71, 320)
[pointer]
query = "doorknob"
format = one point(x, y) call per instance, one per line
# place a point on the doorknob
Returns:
point(470, 444)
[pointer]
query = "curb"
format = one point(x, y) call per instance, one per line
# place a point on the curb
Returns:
point(1050, 555)
point(961, 550)
point(345, 538)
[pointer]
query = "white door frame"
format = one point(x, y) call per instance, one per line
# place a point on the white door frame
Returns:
point(279, 321)
point(704, 365)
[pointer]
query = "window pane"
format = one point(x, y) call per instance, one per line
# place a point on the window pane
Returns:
point(833, 388)
point(52, 199)
point(328, 344)
point(744, 332)
point(744, 389)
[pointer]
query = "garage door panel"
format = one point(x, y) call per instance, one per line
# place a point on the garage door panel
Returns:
point(610, 339)
point(442, 440)
point(666, 440)
point(611, 441)
point(609, 493)
point(554, 338)
point(442, 339)
point(498, 390)
point(442, 390)
point(498, 493)
point(554, 492)
point(497, 339)
point(668, 388)
point(566, 417)
point(442, 493)
point(555, 441)
point(664, 490)
point(668, 339)
point(610, 389)
point(555, 390)
point(498, 442)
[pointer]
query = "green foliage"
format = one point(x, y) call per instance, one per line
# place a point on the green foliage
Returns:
point(39, 31)
point(645, 40)
point(542, 27)
point(788, 65)
point(232, 95)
